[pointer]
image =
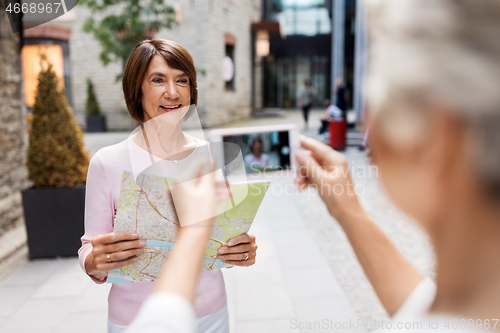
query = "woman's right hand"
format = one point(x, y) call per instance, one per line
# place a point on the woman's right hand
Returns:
point(112, 251)
point(327, 170)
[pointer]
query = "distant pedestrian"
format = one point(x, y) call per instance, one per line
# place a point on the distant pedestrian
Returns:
point(306, 101)
point(332, 112)
point(342, 96)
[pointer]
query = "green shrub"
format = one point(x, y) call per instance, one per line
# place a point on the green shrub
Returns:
point(91, 106)
point(56, 155)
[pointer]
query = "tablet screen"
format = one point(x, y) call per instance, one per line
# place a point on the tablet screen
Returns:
point(264, 151)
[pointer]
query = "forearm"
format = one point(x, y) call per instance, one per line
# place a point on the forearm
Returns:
point(390, 274)
point(181, 271)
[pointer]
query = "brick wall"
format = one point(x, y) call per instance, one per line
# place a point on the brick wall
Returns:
point(12, 128)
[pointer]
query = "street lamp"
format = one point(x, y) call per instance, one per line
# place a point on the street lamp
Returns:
point(262, 43)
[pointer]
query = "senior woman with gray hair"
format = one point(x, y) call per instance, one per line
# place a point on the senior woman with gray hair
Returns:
point(433, 91)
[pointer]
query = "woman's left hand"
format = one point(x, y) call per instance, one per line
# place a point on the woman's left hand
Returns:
point(240, 251)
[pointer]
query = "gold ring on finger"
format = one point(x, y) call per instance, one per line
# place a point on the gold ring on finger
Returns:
point(246, 256)
point(109, 258)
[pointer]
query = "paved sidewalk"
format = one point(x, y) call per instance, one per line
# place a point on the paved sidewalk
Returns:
point(291, 283)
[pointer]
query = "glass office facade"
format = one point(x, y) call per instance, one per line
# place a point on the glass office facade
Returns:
point(303, 55)
point(57, 53)
point(285, 78)
point(301, 17)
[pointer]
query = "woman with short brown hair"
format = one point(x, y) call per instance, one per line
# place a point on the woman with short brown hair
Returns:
point(176, 56)
point(159, 84)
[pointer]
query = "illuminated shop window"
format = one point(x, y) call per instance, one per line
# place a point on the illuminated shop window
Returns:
point(32, 55)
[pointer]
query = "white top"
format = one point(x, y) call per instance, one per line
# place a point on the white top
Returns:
point(419, 302)
point(164, 312)
point(260, 162)
point(171, 313)
point(414, 315)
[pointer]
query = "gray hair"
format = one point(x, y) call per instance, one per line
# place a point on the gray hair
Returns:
point(437, 53)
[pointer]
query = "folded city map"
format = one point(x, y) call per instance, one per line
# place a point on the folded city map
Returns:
point(145, 206)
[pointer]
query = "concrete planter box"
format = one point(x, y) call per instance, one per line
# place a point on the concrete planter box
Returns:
point(96, 123)
point(54, 220)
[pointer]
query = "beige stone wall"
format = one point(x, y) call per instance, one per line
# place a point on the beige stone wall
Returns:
point(85, 63)
point(201, 31)
point(12, 128)
point(234, 17)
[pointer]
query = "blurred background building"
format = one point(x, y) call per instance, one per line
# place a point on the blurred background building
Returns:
point(12, 127)
point(307, 40)
point(302, 51)
point(250, 55)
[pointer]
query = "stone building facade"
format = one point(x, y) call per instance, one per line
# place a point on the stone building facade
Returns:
point(206, 28)
point(12, 128)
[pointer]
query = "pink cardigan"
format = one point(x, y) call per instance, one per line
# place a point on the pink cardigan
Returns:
point(103, 188)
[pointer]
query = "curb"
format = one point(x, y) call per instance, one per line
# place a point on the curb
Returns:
point(12, 241)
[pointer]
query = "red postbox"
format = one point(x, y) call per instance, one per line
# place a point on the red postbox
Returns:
point(338, 134)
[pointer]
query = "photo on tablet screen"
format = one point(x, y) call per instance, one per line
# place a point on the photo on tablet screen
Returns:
point(267, 151)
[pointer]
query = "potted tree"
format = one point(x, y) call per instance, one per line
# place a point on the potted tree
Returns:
point(57, 164)
point(96, 122)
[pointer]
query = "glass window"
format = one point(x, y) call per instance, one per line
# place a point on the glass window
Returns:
point(32, 56)
point(301, 17)
point(284, 79)
point(56, 53)
point(230, 54)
